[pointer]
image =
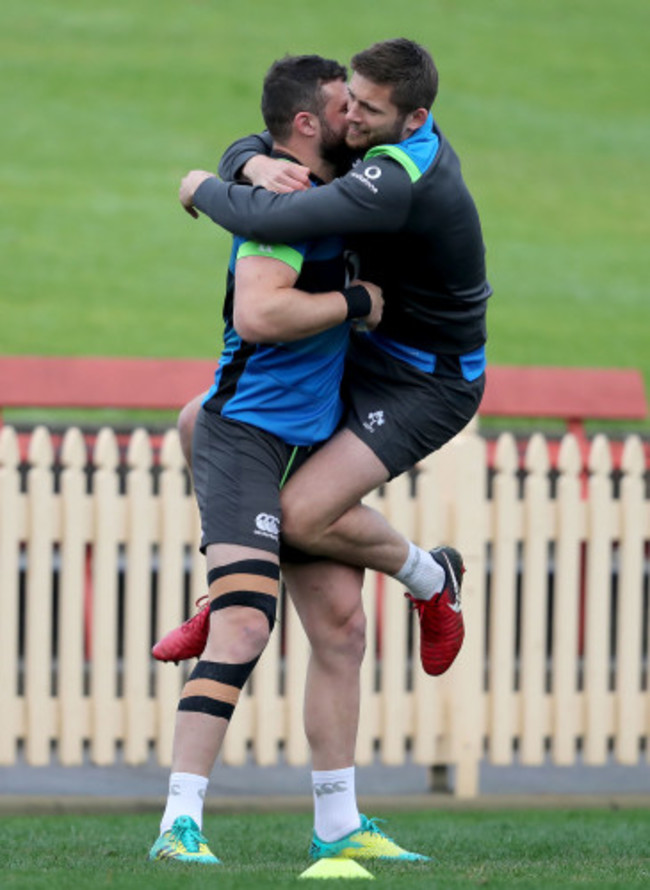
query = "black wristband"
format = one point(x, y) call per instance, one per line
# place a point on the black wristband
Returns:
point(358, 300)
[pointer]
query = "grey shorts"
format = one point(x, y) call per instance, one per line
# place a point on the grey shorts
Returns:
point(400, 412)
point(238, 470)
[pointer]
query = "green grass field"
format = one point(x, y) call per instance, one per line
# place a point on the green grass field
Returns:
point(106, 105)
point(506, 849)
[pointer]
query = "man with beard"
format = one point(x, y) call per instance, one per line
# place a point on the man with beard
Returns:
point(276, 395)
point(415, 381)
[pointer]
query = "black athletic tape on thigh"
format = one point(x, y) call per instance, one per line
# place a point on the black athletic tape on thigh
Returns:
point(213, 688)
point(263, 567)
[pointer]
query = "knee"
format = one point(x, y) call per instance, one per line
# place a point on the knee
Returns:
point(354, 637)
point(343, 639)
point(298, 526)
point(254, 631)
point(237, 634)
point(185, 426)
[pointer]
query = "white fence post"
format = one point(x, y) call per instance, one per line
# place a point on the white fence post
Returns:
point(534, 601)
point(170, 537)
point(598, 603)
point(104, 729)
point(12, 531)
point(467, 704)
point(569, 535)
point(502, 726)
point(74, 539)
point(137, 598)
point(629, 607)
point(38, 599)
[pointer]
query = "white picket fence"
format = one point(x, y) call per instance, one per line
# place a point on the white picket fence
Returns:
point(98, 559)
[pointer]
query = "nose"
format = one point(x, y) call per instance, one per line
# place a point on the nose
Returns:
point(352, 114)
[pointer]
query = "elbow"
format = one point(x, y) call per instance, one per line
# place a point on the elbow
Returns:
point(251, 328)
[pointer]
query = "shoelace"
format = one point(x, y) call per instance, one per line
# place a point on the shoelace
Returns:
point(418, 605)
point(199, 603)
point(372, 825)
point(190, 838)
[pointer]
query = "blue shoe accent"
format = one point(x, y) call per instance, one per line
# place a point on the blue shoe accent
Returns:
point(183, 842)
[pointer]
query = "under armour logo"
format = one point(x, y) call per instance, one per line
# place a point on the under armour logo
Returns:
point(267, 525)
point(329, 788)
point(375, 419)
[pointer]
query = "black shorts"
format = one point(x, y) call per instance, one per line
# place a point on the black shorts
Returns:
point(400, 412)
point(238, 470)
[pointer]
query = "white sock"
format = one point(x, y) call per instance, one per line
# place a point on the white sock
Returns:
point(421, 573)
point(185, 798)
point(335, 803)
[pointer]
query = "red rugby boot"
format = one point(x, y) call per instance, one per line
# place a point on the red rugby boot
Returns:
point(186, 641)
point(441, 621)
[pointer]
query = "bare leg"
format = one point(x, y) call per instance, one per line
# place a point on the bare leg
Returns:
point(321, 512)
point(237, 635)
point(327, 597)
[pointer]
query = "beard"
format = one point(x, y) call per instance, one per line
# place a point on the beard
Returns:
point(335, 151)
point(339, 155)
point(379, 136)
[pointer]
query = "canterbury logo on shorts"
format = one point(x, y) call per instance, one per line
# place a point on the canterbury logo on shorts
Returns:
point(267, 525)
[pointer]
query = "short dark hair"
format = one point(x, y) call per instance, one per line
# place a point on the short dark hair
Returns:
point(291, 85)
point(404, 65)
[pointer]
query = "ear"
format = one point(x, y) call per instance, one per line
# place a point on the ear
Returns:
point(415, 119)
point(305, 123)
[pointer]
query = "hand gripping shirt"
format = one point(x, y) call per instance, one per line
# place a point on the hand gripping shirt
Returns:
point(407, 211)
point(289, 389)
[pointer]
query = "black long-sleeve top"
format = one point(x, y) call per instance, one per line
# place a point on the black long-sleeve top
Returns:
point(407, 213)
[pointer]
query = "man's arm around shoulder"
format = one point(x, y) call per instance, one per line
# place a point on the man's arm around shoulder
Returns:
point(373, 197)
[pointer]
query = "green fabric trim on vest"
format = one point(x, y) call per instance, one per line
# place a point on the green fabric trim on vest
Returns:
point(281, 252)
point(397, 154)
